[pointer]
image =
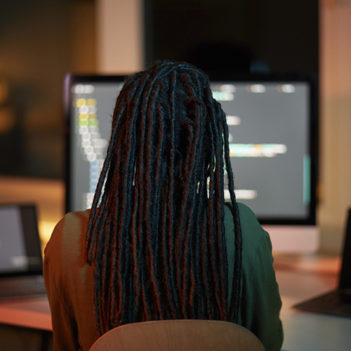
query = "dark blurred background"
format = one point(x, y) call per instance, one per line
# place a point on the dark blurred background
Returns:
point(224, 36)
point(39, 42)
point(42, 40)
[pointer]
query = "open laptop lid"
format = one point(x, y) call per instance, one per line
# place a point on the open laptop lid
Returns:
point(20, 250)
point(345, 273)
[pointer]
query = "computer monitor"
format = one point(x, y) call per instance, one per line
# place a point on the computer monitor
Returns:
point(272, 123)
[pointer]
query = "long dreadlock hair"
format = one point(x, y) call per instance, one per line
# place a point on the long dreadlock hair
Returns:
point(156, 229)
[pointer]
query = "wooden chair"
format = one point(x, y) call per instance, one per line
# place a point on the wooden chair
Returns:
point(178, 335)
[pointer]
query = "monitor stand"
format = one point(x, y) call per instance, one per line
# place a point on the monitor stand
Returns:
point(293, 238)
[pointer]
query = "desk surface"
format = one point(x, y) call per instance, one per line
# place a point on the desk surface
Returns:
point(31, 313)
point(302, 331)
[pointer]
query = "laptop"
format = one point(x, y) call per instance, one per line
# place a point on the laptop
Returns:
point(338, 301)
point(21, 261)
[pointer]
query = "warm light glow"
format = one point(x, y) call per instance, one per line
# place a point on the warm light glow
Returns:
point(45, 231)
point(4, 91)
point(7, 120)
point(80, 102)
point(91, 102)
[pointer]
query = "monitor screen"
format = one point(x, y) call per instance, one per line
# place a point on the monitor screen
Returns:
point(272, 141)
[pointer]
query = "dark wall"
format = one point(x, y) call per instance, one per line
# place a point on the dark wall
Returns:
point(235, 35)
point(39, 42)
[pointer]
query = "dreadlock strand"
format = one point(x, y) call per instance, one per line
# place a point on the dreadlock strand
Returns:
point(117, 207)
point(172, 266)
point(211, 224)
point(199, 196)
point(182, 232)
point(190, 242)
point(238, 239)
point(187, 245)
point(152, 264)
point(94, 222)
point(144, 259)
point(220, 240)
point(127, 245)
point(132, 175)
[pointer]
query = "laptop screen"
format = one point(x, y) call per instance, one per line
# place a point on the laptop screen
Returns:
point(20, 251)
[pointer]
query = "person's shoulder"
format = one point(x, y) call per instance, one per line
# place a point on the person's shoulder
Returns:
point(245, 213)
point(252, 232)
point(77, 215)
point(68, 229)
point(72, 221)
point(247, 216)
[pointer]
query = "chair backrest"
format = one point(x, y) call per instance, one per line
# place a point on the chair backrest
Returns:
point(172, 335)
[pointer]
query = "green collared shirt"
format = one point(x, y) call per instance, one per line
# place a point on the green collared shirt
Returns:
point(260, 300)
